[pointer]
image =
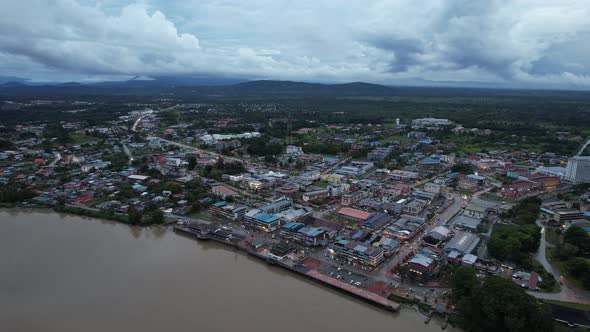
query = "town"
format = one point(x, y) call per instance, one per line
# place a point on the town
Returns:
point(385, 210)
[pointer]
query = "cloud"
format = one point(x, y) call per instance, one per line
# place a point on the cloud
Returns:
point(517, 43)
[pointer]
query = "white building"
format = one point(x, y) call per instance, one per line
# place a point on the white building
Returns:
point(578, 169)
point(294, 150)
point(552, 171)
point(431, 122)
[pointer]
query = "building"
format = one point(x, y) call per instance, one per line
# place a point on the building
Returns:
point(277, 206)
point(414, 207)
point(519, 188)
point(568, 215)
point(475, 211)
point(293, 214)
point(352, 198)
point(432, 188)
point(223, 192)
point(355, 168)
point(559, 172)
point(463, 242)
point(96, 165)
point(431, 122)
point(333, 178)
point(578, 169)
point(379, 154)
point(404, 228)
point(294, 150)
point(356, 253)
point(437, 236)
point(224, 145)
point(354, 214)
point(298, 232)
point(228, 211)
point(423, 264)
point(403, 176)
point(376, 222)
point(390, 246)
point(262, 221)
point(315, 195)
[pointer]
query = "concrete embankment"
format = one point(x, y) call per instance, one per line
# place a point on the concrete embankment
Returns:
point(360, 293)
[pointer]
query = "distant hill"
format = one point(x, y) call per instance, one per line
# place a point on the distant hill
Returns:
point(229, 87)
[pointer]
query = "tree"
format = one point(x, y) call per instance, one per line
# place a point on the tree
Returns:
point(157, 217)
point(514, 242)
point(192, 162)
point(580, 267)
point(501, 305)
point(462, 168)
point(134, 216)
point(578, 237)
point(464, 282)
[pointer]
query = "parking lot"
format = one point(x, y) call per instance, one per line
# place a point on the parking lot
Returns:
point(345, 275)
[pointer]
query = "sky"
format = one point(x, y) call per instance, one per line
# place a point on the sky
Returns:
point(505, 43)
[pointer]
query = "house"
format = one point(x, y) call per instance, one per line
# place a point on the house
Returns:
point(315, 195)
point(223, 192)
point(352, 198)
point(475, 211)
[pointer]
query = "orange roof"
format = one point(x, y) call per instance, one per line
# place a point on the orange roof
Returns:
point(354, 213)
point(224, 190)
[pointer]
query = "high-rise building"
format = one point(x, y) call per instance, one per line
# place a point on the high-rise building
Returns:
point(578, 169)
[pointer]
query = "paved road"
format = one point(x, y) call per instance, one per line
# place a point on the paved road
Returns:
point(56, 160)
point(201, 151)
point(128, 153)
point(568, 292)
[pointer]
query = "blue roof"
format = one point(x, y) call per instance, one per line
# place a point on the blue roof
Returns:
point(220, 204)
point(430, 161)
point(293, 226)
point(267, 218)
point(360, 248)
point(311, 231)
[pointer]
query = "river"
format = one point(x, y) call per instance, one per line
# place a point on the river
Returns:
point(68, 273)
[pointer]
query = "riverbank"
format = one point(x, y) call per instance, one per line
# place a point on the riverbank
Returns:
point(80, 273)
point(227, 239)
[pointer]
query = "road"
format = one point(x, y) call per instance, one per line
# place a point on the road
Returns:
point(201, 151)
point(56, 160)
point(583, 147)
point(568, 292)
point(127, 152)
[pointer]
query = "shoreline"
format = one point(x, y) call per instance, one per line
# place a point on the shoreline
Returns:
point(375, 300)
point(314, 275)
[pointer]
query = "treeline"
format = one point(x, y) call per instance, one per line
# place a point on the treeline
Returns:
point(496, 305)
point(574, 251)
point(12, 194)
point(220, 167)
point(525, 212)
point(514, 243)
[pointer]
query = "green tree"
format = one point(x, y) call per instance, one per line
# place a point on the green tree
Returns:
point(192, 163)
point(157, 217)
point(578, 237)
point(464, 282)
point(134, 216)
point(500, 305)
